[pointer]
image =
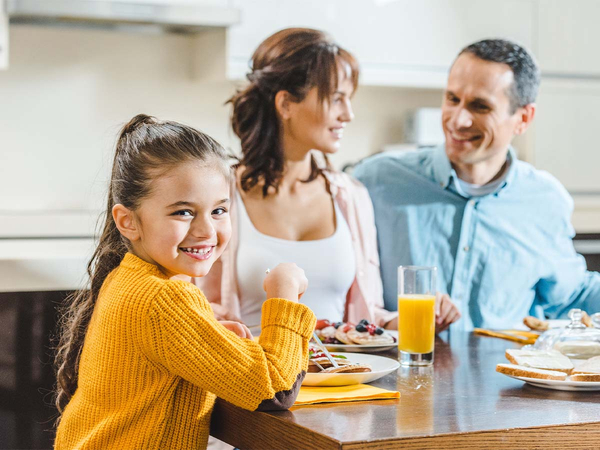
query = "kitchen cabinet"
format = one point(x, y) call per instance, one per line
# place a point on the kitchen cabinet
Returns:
point(3, 36)
point(398, 43)
point(565, 135)
point(568, 37)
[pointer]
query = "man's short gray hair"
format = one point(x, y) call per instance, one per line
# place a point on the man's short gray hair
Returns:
point(524, 89)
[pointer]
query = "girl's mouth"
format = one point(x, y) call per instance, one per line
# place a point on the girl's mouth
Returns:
point(201, 254)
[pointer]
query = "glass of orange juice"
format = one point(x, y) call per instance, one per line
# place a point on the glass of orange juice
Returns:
point(416, 314)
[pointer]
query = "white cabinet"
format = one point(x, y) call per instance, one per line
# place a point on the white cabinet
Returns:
point(3, 36)
point(398, 43)
point(568, 37)
point(566, 133)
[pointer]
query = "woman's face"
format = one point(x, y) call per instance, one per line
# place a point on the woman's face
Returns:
point(310, 124)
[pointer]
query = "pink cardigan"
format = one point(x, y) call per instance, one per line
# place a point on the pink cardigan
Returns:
point(365, 297)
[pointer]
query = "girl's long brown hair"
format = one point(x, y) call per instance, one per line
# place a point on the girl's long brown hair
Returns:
point(145, 148)
point(293, 60)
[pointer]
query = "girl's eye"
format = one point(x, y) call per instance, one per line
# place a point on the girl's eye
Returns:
point(183, 212)
point(219, 211)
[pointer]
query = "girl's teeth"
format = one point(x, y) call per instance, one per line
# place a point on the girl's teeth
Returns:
point(197, 250)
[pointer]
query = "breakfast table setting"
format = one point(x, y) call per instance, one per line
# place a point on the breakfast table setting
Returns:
point(458, 402)
point(537, 386)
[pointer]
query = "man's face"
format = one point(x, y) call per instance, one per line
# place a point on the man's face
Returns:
point(476, 113)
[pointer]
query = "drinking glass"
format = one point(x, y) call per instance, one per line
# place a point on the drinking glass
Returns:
point(416, 315)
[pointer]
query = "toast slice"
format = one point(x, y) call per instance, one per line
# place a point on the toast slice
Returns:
point(530, 372)
point(591, 365)
point(586, 377)
point(540, 359)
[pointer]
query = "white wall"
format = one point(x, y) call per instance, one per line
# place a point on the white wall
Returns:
point(67, 91)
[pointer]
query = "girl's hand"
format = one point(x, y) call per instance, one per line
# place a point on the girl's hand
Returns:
point(238, 328)
point(446, 312)
point(287, 281)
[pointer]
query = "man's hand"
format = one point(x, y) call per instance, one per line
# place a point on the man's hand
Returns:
point(238, 328)
point(446, 312)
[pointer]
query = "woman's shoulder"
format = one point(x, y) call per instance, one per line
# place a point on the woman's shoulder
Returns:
point(348, 185)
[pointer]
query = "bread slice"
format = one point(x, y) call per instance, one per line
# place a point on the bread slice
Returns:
point(586, 377)
point(591, 365)
point(540, 359)
point(529, 372)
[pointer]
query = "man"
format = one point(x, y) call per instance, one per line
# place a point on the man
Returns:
point(498, 230)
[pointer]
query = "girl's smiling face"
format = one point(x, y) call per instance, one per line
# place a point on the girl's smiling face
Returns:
point(183, 225)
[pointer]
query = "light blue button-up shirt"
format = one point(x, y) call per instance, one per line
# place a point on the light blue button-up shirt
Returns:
point(501, 256)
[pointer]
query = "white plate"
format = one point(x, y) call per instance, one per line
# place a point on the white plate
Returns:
point(559, 385)
point(364, 348)
point(380, 366)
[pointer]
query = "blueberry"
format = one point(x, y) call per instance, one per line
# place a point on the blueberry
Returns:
point(364, 322)
point(379, 330)
point(338, 324)
point(361, 328)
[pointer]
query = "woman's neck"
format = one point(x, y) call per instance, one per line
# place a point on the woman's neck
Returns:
point(295, 170)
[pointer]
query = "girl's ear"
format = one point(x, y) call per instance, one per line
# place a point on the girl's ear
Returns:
point(125, 222)
point(283, 102)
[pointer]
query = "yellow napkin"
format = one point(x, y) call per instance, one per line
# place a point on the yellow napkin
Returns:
point(357, 392)
point(522, 337)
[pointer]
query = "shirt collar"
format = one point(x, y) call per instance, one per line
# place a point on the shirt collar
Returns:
point(443, 171)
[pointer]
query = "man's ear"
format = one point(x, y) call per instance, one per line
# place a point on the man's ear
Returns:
point(527, 113)
point(283, 103)
point(125, 222)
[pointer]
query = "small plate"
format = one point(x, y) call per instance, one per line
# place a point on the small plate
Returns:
point(364, 348)
point(560, 385)
point(380, 366)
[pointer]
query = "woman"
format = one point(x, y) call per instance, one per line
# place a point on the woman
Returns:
point(288, 203)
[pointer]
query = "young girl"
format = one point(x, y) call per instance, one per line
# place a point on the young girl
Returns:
point(142, 358)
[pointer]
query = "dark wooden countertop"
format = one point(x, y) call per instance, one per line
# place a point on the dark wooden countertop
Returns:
point(460, 402)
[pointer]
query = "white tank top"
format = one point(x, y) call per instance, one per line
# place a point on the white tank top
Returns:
point(328, 263)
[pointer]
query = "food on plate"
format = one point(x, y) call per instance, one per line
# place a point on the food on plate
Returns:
point(364, 333)
point(591, 365)
point(540, 359)
point(319, 363)
point(535, 324)
point(530, 372)
point(593, 377)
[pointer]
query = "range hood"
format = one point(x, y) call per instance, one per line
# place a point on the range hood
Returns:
point(167, 14)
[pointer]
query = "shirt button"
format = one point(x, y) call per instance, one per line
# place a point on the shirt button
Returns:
point(361, 273)
point(472, 202)
point(466, 248)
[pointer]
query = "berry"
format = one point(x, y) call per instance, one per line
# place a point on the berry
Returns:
point(364, 322)
point(361, 328)
point(379, 331)
point(338, 324)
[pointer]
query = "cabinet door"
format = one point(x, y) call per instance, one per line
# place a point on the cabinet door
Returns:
point(566, 134)
point(397, 42)
point(568, 37)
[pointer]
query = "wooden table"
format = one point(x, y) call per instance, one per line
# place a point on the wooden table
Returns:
point(461, 402)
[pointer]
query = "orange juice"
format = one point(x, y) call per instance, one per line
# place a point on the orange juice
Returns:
point(416, 323)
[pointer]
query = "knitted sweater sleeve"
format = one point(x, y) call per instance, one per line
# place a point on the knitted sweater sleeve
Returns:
point(183, 336)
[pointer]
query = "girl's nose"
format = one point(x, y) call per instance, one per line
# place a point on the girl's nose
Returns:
point(203, 228)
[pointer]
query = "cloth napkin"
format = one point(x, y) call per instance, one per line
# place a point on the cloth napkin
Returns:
point(310, 395)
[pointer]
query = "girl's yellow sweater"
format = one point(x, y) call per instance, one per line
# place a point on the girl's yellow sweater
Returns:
point(155, 359)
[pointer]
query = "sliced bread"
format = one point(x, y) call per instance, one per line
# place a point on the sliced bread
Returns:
point(529, 372)
point(586, 377)
point(591, 365)
point(540, 359)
